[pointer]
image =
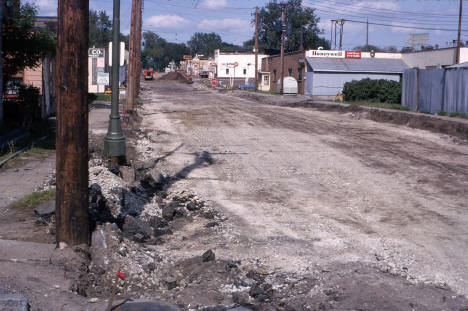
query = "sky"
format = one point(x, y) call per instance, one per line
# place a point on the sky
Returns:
point(177, 20)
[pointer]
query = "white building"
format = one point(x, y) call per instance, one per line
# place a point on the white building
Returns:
point(236, 68)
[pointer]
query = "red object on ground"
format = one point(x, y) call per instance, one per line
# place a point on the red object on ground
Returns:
point(121, 275)
point(214, 82)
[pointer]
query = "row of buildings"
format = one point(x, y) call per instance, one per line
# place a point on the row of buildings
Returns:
point(323, 73)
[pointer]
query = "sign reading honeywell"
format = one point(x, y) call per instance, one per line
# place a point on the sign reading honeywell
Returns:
point(326, 53)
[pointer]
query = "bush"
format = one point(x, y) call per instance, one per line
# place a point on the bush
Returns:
point(382, 91)
point(442, 113)
point(22, 111)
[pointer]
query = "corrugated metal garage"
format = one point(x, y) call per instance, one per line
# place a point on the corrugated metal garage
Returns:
point(326, 77)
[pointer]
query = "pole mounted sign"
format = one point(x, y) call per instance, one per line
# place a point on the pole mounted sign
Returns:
point(94, 52)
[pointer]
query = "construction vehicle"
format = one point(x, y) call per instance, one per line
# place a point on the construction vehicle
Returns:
point(148, 73)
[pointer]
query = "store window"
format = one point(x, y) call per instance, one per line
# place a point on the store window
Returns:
point(299, 74)
point(290, 72)
point(266, 80)
point(245, 72)
point(274, 75)
point(227, 71)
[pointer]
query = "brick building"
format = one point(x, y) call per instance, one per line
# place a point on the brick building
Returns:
point(294, 66)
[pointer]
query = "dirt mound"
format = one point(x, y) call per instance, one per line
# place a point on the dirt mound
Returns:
point(176, 76)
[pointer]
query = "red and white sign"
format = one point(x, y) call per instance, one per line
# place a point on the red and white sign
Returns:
point(353, 54)
point(236, 64)
point(214, 82)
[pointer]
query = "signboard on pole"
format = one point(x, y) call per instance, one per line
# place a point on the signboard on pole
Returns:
point(353, 54)
point(214, 82)
point(94, 52)
point(103, 78)
point(122, 53)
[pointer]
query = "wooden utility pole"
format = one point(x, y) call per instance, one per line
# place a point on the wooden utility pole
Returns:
point(1, 62)
point(459, 31)
point(367, 34)
point(131, 86)
point(72, 216)
point(283, 30)
point(138, 48)
point(331, 33)
point(256, 48)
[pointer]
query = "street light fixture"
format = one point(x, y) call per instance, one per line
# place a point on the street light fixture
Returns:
point(114, 142)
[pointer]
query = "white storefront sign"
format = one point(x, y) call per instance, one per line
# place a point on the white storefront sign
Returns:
point(326, 53)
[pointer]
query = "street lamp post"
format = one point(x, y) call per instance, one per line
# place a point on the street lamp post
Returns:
point(114, 142)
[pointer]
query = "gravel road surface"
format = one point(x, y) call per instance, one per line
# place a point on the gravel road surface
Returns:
point(307, 189)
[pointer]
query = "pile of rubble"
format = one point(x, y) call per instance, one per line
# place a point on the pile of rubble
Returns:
point(177, 76)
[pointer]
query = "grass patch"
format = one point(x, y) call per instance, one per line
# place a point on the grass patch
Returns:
point(34, 199)
point(458, 115)
point(379, 105)
point(103, 97)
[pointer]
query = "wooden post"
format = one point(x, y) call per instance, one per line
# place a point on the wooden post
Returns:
point(72, 216)
point(131, 60)
point(283, 30)
point(256, 48)
point(459, 31)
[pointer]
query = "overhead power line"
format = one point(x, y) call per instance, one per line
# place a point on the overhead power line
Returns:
point(401, 26)
point(386, 10)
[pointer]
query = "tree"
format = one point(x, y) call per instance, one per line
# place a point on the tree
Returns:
point(157, 52)
point(23, 44)
point(368, 48)
point(100, 30)
point(301, 24)
point(205, 43)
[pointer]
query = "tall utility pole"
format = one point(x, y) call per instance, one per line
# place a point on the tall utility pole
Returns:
point(367, 34)
point(138, 48)
point(459, 31)
point(131, 92)
point(331, 33)
point(1, 63)
point(114, 142)
point(256, 48)
point(72, 216)
point(341, 34)
point(283, 30)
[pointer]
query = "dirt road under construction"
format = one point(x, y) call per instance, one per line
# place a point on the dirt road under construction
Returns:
point(307, 190)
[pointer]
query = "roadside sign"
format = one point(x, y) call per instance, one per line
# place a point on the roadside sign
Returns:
point(214, 82)
point(102, 78)
point(353, 54)
point(122, 53)
point(236, 64)
point(94, 52)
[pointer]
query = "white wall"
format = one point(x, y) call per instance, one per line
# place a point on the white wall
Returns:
point(434, 58)
point(246, 62)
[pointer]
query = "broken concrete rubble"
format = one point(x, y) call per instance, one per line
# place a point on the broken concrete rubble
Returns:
point(13, 302)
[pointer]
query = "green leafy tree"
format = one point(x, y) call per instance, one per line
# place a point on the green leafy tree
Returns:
point(205, 43)
point(368, 48)
point(23, 44)
point(158, 53)
point(301, 25)
point(100, 30)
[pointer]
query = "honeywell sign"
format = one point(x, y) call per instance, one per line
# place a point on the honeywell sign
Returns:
point(326, 53)
point(333, 54)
